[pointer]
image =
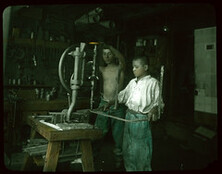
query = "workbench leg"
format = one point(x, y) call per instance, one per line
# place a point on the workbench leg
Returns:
point(52, 156)
point(28, 161)
point(87, 156)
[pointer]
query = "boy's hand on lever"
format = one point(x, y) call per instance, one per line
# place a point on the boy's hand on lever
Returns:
point(153, 114)
point(107, 105)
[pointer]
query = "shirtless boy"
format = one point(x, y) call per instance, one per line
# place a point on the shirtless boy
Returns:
point(113, 77)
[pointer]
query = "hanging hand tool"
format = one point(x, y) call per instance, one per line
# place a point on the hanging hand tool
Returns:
point(93, 77)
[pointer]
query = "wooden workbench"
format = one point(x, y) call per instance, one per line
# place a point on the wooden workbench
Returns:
point(55, 137)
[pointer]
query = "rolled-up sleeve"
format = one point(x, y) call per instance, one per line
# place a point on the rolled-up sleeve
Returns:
point(155, 94)
point(158, 100)
point(158, 97)
point(124, 94)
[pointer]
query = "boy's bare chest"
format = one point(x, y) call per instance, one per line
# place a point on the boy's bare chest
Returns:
point(110, 73)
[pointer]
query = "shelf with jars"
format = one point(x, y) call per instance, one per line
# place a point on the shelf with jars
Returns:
point(39, 43)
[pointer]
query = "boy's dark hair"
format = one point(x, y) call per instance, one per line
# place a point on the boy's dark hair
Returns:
point(144, 59)
point(106, 47)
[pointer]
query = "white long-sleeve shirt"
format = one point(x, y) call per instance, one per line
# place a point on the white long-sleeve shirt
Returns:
point(141, 96)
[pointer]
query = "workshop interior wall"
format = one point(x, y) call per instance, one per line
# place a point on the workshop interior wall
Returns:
point(34, 49)
point(37, 41)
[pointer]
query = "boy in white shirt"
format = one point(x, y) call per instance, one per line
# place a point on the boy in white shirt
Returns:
point(142, 97)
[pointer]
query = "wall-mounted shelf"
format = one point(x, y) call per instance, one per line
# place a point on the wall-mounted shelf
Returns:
point(40, 43)
point(27, 86)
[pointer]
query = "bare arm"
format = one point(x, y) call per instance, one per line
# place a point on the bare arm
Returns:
point(121, 80)
point(119, 56)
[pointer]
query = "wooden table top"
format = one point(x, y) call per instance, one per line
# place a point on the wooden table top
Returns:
point(52, 134)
